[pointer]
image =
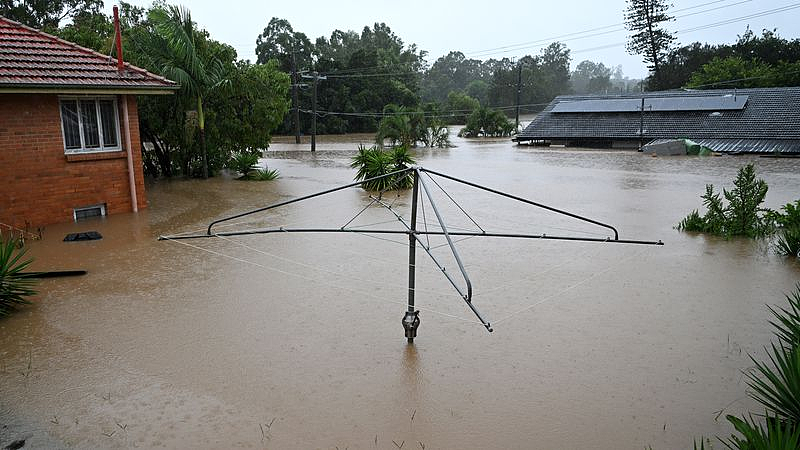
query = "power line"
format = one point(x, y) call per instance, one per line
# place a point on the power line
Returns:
point(616, 44)
point(526, 45)
point(457, 112)
point(717, 83)
point(704, 27)
point(367, 75)
point(442, 114)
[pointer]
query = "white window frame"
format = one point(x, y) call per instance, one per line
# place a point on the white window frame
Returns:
point(96, 100)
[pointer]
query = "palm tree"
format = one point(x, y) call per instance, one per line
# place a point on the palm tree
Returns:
point(180, 55)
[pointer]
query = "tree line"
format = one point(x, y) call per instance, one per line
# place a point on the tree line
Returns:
point(765, 60)
point(228, 105)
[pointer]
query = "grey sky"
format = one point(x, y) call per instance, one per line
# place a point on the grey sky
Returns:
point(474, 26)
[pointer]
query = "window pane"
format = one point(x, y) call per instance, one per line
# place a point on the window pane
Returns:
point(91, 136)
point(69, 121)
point(108, 119)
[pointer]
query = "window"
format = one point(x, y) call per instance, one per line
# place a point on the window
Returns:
point(90, 125)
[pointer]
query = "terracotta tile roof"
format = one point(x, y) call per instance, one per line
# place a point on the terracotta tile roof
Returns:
point(30, 58)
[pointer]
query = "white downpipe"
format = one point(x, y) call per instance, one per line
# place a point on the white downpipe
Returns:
point(131, 173)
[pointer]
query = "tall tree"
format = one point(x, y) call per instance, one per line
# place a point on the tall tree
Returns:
point(591, 78)
point(183, 56)
point(280, 41)
point(645, 19)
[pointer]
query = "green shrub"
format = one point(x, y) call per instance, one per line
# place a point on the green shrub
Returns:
point(436, 135)
point(744, 213)
point(787, 320)
point(776, 436)
point(787, 240)
point(488, 123)
point(791, 216)
point(244, 162)
point(405, 127)
point(742, 216)
point(787, 243)
point(264, 174)
point(374, 162)
point(15, 286)
point(775, 385)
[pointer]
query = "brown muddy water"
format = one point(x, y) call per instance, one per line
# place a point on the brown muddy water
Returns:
point(294, 341)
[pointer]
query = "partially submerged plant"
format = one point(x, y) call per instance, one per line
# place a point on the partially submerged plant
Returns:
point(373, 162)
point(787, 242)
point(742, 216)
point(264, 174)
point(244, 162)
point(15, 285)
point(487, 122)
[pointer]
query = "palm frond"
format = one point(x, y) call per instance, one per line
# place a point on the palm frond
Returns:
point(777, 386)
point(15, 286)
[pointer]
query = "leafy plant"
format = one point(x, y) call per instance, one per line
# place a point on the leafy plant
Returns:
point(15, 286)
point(436, 135)
point(788, 242)
point(776, 435)
point(744, 204)
point(373, 162)
point(264, 175)
point(488, 123)
point(787, 320)
point(244, 162)
point(791, 216)
point(404, 127)
point(777, 386)
point(742, 216)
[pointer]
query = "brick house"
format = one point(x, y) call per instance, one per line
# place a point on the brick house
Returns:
point(69, 130)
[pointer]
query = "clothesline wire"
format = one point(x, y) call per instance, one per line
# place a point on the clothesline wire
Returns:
point(568, 288)
point(316, 280)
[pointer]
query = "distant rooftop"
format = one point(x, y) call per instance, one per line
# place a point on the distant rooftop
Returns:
point(32, 61)
point(737, 120)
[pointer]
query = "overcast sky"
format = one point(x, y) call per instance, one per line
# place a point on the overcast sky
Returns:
point(484, 29)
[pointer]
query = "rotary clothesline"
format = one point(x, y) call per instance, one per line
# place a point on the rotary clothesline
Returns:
point(380, 298)
point(459, 279)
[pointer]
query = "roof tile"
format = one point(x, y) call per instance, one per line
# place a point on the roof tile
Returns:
point(31, 58)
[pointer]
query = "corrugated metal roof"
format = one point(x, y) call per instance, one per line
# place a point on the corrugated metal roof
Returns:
point(745, 145)
point(769, 114)
point(30, 58)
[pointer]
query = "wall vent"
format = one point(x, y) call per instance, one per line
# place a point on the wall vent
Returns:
point(87, 212)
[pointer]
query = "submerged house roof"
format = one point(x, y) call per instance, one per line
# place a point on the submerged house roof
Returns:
point(34, 61)
point(741, 120)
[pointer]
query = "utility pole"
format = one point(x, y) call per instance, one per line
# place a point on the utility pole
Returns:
point(295, 102)
point(519, 92)
point(316, 77)
point(641, 125)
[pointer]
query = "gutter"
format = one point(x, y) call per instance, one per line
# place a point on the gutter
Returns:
point(85, 89)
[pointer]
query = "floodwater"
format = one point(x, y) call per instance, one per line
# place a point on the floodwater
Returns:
point(294, 340)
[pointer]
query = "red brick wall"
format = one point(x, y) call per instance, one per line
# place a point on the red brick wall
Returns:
point(40, 184)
